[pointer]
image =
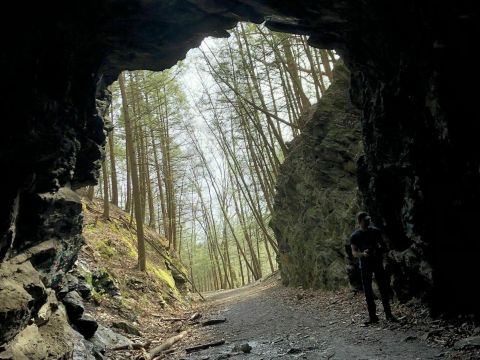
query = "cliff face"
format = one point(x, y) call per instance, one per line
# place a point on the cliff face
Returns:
point(419, 177)
point(48, 236)
point(413, 78)
point(316, 195)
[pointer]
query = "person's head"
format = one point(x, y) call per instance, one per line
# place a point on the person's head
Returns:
point(363, 219)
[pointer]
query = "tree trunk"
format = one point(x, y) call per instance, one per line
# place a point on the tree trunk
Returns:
point(134, 172)
point(326, 64)
point(113, 166)
point(128, 201)
point(106, 205)
point(90, 193)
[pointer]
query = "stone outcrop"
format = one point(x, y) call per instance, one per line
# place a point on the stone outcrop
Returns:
point(86, 325)
point(105, 283)
point(74, 305)
point(46, 242)
point(49, 337)
point(316, 194)
point(413, 78)
point(105, 338)
point(49, 233)
point(22, 294)
point(75, 283)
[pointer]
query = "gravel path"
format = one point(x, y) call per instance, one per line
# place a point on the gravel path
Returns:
point(282, 323)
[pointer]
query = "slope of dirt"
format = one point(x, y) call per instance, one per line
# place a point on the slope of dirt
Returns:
point(126, 294)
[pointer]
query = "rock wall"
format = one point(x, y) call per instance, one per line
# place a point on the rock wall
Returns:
point(46, 243)
point(316, 194)
point(420, 176)
point(413, 77)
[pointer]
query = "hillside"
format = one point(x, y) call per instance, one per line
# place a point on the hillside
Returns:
point(119, 293)
point(110, 252)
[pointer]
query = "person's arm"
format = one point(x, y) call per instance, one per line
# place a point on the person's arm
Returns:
point(357, 253)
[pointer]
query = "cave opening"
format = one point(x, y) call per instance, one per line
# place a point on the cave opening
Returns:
point(210, 136)
point(418, 176)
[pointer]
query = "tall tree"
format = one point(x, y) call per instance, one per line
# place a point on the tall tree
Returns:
point(113, 166)
point(106, 205)
point(132, 157)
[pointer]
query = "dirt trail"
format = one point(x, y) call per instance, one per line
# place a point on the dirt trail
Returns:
point(282, 323)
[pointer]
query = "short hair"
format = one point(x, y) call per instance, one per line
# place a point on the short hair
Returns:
point(362, 215)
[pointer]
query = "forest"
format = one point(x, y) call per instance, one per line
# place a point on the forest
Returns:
point(194, 151)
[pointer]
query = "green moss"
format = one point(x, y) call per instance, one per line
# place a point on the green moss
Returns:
point(88, 278)
point(97, 297)
point(162, 275)
point(106, 250)
point(316, 197)
point(116, 243)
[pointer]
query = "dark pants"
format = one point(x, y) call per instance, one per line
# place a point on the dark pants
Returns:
point(367, 271)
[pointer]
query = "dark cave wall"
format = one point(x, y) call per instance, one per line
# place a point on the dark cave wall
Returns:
point(413, 77)
point(52, 134)
point(51, 141)
point(420, 174)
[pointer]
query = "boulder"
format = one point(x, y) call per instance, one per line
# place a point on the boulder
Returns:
point(106, 338)
point(70, 281)
point(76, 283)
point(52, 340)
point(57, 335)
point(74, 305)
point(82, 349)
point(84, 289)
point(28, 344)
point(86, 325)
point(22, 295)
point(104, 283)
point(245, 348)
point(178, 273)
point(46, 310)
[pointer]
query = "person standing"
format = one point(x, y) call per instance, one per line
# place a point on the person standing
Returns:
point(367, 244)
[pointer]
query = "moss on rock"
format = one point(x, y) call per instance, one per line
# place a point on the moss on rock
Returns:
point(316, 196)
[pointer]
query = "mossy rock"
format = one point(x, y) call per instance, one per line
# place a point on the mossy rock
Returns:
point(316, 198)
point(104, 283)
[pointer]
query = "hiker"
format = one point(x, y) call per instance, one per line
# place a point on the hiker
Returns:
point(367, 244)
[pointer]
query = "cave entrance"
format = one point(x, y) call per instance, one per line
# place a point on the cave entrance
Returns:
point(419, 176)
point(209, 137)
